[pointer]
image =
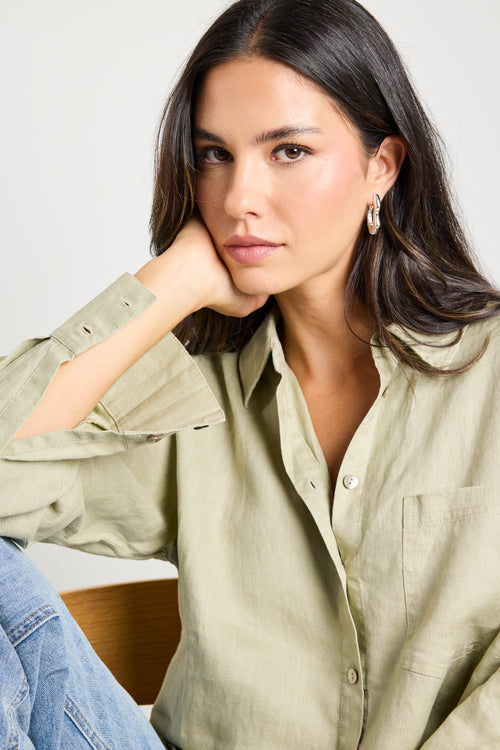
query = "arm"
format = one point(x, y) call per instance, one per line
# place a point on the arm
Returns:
point(104, 486)
point(48, 492)
point(187, 277)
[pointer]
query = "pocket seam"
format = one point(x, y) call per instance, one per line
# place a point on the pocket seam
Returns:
point(487, 503)
point(438, 671)
point(453, 516)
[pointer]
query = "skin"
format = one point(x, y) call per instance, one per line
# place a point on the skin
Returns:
point(276, 160)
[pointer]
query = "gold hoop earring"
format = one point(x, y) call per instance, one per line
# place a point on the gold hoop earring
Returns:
point(373, 216)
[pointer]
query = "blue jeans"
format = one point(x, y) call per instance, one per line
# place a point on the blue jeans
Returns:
point(55, 693)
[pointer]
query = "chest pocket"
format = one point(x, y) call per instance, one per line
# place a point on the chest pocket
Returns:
point(451, 571)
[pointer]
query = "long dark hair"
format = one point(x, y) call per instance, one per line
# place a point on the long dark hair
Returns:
point(418, 271)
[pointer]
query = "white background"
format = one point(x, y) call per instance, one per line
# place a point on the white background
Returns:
point(83, 83)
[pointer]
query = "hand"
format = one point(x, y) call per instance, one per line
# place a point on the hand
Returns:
point(208, 279)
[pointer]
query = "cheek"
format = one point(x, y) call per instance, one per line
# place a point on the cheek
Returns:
point(201, 194)
point(334, 194)
point(209, 195)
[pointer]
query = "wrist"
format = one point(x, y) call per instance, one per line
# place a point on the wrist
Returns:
point(170, 279)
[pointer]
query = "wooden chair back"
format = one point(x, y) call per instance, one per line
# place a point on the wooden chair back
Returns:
point(134, 628)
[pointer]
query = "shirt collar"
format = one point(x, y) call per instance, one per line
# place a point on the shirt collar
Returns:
point(255, 353)
point(437, 350)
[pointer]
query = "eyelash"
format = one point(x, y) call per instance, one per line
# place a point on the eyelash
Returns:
point(201, 154)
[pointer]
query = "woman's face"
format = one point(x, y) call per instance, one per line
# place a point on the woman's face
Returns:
point(283, 181)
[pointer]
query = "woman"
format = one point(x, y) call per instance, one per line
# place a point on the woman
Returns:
point(334, 524)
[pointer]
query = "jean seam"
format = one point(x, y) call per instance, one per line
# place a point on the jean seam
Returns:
point(18, 698)
point(76, 716)
point(31, 623)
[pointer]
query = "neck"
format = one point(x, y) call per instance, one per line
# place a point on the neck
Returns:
point(320, 337)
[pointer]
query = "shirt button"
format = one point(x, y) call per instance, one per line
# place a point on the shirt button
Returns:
point(352, 676)
point(350, 481)
point(154, 438)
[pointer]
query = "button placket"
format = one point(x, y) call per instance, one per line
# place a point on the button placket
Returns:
point(312, 484)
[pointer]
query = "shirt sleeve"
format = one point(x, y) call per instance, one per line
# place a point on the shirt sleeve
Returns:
point(87, 487)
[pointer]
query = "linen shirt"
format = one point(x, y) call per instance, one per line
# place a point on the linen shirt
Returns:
point(363, 615)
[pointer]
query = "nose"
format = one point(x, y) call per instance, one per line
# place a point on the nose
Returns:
point(245, 190)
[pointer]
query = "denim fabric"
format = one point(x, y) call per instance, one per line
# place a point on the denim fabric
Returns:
point(54, 691)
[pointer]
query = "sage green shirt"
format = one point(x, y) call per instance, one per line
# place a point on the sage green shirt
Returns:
point(314, 618)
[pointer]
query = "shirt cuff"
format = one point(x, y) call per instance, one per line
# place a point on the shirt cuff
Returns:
point(162, 393)
point(116, 306)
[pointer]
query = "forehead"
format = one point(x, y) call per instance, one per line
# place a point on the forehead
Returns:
point(258, 84)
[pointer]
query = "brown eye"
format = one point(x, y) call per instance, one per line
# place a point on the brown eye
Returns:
point(290, 152)
point(215, 155)
point(293, 152)
point(211, 155)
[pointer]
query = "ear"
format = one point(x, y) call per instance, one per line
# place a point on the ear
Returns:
point(386, 164)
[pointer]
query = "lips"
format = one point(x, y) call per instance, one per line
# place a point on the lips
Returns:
point(248, 241)
point(249, 249)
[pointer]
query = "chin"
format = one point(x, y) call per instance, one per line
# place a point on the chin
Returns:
point(256, 281)
point(253, 289)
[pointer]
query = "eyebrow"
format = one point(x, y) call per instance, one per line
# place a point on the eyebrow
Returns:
point(276, 134)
